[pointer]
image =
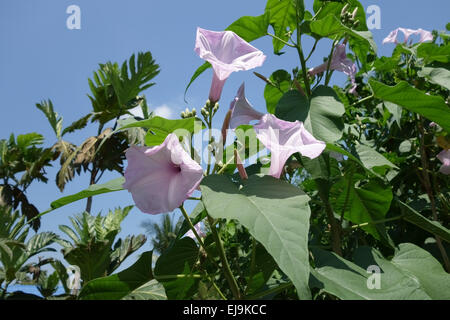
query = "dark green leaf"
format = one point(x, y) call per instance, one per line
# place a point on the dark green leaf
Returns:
point(121, 284)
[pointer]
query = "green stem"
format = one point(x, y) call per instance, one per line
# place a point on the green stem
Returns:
point(373, 222)
point(334, 224)
point(362, 100)
point(330, 57)
point(209, 122)
point(226, 267)
point(278, 289)
point(302, 59)
point(429, 189)
point(217, 288)
point(252, 264)
point(281, 40)
point(177, 276)
point(312, 50)
point(188, 220)
point(347, 196)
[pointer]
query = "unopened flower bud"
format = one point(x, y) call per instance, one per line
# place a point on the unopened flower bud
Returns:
point(240, 166)
point(194, 112)
point(183, 115)
point(344, 10)
point(355, 12)
point(225, 125)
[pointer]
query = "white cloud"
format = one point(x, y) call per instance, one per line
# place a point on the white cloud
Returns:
point(163, 111)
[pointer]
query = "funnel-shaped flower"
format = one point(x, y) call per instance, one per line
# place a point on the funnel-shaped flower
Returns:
point(339, 62)
point(227, 53)
point(162, 177)
point(241, 110)
point(444, 157)
point(284, 138)
point(424, 35)
point(199, 231)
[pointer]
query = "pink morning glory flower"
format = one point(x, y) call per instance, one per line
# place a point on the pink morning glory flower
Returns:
point(227, 53)
point(284, 138)
point(444, 157)
point(424, 35)
point(199, 230)
point(162, 177)
point(339, 62)
point(241, 110)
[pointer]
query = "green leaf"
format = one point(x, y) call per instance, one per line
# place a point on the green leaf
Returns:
point(197, 215)
point(196, 74)
point(275, 213)
point(431, 52)
point(281, 80)
point(159, 128)
point(282, 18)
point(438, 76)
point(55, 121)
point(372, 159)
point(414, 217)
point(93, 190)
point(334, 8)
point(121, 284)
point(322, 115)
point(250, 28)
point(28, 140)
point(364, 204)
point(177, 260)
point(331, 27)
point(368, 158)
point(172, 261)
point(92, 258)
point(152, 290)
point(246, 137)
point(425, 269)
point(431, 107)
point(77, 125)
point(412, 274)
point(395, 111)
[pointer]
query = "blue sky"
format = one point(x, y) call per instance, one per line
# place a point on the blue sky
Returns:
point(40, 58)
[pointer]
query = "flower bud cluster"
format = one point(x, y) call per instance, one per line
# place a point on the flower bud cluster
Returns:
point(349, 18)
point(209, 109)
point(188, 114)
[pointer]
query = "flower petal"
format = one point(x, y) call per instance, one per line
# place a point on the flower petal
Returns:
point(227, 53)
point(162, 177)
point(393, 36)
point(241, 110)
point(284, 138)
point(339, 62)
point(444, 157)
